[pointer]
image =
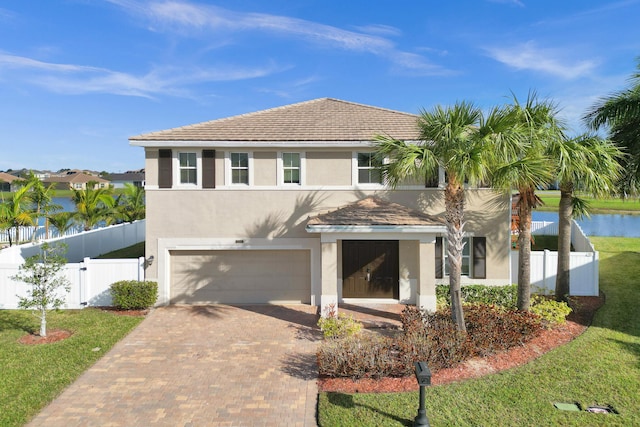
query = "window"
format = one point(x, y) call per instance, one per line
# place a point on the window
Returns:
point(368, 172)
point(240, 168)
point(291, 168)
point(473, 257)
point(188, 168)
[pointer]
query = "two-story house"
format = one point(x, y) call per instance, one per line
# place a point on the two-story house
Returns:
point(286, 205)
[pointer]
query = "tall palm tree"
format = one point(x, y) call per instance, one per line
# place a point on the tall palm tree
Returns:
point(620, 114)
point(16, 212)
point(130, 204)
point(93, 205)
point(451, 139)
point(522, 164)
point(42, 199)
point(586, 163)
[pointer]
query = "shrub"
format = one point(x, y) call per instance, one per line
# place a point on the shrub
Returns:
point(133, 294)
point(338, 325)
point(550, 311)
point(504, 296)
point(367, 356)
point(430, 337)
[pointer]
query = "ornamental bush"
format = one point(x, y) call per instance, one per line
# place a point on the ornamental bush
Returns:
point(504, 296)
point(134, 294)
point(338, 325)
point(552, 312)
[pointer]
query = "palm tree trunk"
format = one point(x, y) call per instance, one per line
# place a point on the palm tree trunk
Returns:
point(565, 212)
point(524, 251)
point(454, 209)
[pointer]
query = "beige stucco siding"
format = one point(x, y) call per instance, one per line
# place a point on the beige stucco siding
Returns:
point(274, 214)
point(264, 170)
point(328, 168)
point(240, 276)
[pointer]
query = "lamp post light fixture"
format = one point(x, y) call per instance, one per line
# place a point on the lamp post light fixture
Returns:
point(423, 375)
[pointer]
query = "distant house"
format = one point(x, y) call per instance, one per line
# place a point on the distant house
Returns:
point(136, 178)
point(9, 182)
point(76, 181)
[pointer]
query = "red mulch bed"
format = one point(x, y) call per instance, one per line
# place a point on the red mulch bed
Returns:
point(56, 335)
point(577, 323)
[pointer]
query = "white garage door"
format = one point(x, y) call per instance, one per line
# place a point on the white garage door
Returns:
point(241, 277)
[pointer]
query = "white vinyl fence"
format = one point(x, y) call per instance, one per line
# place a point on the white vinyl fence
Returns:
point(90, 281)
point(584, 263)
point(90, 243)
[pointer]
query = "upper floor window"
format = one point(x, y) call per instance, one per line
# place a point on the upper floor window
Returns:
point(240, 168)
point(188, 169)
point(368, 169)
point(291, 168)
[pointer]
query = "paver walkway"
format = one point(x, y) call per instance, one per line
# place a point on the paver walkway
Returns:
point(201, 366)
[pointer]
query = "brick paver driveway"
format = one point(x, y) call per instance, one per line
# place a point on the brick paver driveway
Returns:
point(196, 366)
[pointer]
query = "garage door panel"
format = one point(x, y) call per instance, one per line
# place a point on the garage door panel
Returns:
point(240, 276)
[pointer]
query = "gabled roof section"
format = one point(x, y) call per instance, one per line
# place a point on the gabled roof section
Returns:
point(76, 178)
point(372, 212)
point(7, 177)
point(323, 119)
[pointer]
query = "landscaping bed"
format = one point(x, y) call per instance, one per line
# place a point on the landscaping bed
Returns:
point(548, 339)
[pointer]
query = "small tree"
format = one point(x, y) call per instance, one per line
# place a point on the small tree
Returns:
point(42, 271)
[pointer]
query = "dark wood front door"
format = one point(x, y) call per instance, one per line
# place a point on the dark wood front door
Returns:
point(370, 269)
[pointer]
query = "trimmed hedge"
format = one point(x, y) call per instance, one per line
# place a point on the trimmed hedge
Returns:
point(504, 296)
point(133, 294)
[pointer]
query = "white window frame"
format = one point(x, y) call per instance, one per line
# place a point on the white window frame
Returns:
point(177, 169)
point(281, 168)
point(469, 256)
point(355, 172)
point(228, 169)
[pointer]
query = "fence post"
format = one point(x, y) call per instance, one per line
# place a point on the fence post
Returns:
point(85, 281)
point(141, 265)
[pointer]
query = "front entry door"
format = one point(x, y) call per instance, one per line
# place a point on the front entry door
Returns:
point(370, 269)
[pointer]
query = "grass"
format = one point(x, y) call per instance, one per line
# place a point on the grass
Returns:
point(133, 251)
point(602, 366)
point(33, 375)
point(551, 201)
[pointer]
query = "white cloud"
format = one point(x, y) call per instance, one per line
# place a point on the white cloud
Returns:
point(191, 19)
point(80, 79)
point(513, 2)
point(527, 56)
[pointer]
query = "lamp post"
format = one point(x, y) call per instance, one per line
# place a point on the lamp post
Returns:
point(423, 375)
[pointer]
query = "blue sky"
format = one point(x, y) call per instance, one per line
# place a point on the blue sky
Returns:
point(78, 77)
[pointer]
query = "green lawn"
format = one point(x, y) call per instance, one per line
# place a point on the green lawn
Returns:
point(133, 251)
point(551, 201)
point(602, 366)
point(33, 375)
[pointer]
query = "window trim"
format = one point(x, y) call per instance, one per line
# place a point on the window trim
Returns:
point(281, 168)
point(355, 172)
point(180, 168)
point(227, 167)
point(441, 257)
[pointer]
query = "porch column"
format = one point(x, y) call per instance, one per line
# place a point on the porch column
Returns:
point(329, 291)
point(426, 294)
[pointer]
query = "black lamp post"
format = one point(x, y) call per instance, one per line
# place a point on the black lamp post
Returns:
point(423, 375)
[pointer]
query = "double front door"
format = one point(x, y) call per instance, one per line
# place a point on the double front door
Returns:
point(370, 269)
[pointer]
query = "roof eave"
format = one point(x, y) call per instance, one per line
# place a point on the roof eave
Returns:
point(252, 144)
point(324, 228)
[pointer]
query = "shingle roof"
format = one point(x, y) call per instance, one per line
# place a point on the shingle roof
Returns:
point(75, 178)
point(6, 177)
point(323, 119)
point(373, 211)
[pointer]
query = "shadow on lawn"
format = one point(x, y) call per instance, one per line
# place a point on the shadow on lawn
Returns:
point(346, 401)
point(12, 319)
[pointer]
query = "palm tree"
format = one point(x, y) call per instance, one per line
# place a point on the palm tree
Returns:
point(451, 139)
point(620, 113)
point(16, 212)
point(521, 164)
point(93, 205)
point(585, 163)
point(130, 204)
point(62, 221)
point(42, 199)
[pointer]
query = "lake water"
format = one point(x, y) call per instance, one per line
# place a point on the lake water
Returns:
point(601, 224)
